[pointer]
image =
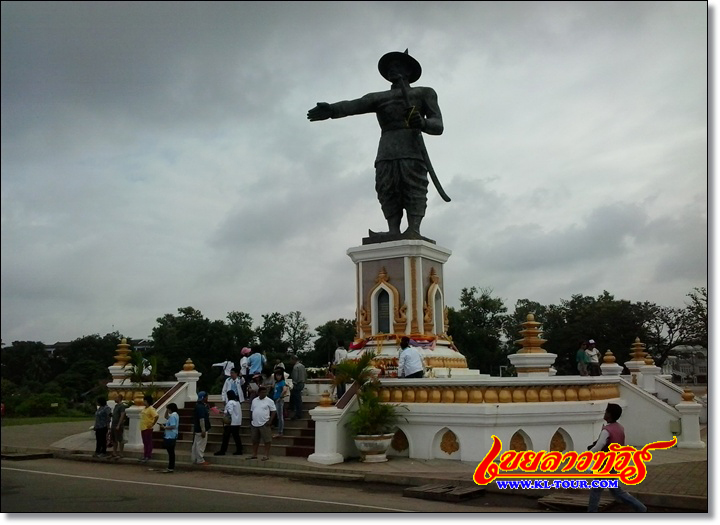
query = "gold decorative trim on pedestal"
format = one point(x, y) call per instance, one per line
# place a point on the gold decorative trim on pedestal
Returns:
point(123, 349)
point(364, 321)
point(325, 400)
point(449, 443)
point(400, 441)
point(399, 310)
point(428, 318)
point(400, 320)
point(429, 307)
point(414, 327)
point(517, 443)
point(499, 394)
point(609, 357)
point(688, 395)
point(638, 350)
point(531, 343)
point(557, 443)
point(189, 365)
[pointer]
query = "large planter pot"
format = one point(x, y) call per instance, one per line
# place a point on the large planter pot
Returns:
point(373, 448)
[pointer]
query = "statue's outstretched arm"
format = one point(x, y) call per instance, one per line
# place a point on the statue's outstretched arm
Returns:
point(322, 111)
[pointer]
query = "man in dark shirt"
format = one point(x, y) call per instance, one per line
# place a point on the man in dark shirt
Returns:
point(118, 427)
point(400, 170)
point(298, 376)
point(201, 426)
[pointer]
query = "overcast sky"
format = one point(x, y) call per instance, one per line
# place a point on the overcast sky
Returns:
point(158, 155)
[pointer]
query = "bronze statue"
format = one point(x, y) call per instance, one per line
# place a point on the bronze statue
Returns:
point(402, 163)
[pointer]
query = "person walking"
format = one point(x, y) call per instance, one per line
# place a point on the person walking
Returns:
point(410, 364)
point(245, 352)
point(298, 376)
point(340, 356)
point(234, 414)
point(611, 433)
point(148, 418)
point(102, 422)
point(118, 427)
point(226, 366)
point(170, 435)
point(582, 359)
point(262, 412)
point(234, 384)
point(280, 389)
point(201, 426)
point(256, 362)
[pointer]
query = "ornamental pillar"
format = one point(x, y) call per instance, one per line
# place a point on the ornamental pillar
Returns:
point(638, 360)
point(532, 360)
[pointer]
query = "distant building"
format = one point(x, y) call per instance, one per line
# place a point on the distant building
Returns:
point(687, 364)
point(50, 349)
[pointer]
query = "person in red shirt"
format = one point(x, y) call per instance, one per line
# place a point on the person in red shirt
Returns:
point(611, 433)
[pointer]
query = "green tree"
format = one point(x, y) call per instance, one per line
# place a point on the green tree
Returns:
point(297, 331)
point(240, 324)
point(326, 343)
point(85, 361)
point(513, 322)
point(666, 328)
point(696, 318)
point(189, 334)
point(613, 324)
point(271, 334)
point(25, 360)
point(477, 328)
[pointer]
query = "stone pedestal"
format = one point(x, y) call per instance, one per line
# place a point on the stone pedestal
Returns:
point(634, 367)
point(533, 365)
point(648, 375)
point(400, 288)
point(326, 436)
point(611, 369)
point(134, 439)
point(400, 292)
point(690, 425)
point(191, 378)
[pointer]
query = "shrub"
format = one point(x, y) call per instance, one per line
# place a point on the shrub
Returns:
point(40, 405)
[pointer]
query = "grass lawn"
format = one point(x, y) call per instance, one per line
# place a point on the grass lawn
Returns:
point(14, 421)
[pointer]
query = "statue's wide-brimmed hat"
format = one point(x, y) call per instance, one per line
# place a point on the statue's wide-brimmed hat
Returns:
point(412, 64)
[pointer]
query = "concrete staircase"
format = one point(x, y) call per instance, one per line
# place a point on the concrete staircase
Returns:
point(298, 439)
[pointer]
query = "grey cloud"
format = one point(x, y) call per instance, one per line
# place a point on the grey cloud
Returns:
point(161, 150)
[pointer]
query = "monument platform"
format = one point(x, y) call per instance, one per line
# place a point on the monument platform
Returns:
point(400, 292)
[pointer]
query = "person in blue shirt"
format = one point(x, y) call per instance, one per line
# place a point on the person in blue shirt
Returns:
point(280, 389)
point(256, 362)
point(170, 429)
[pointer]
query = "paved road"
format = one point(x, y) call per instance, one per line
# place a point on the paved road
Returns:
point(53, 485)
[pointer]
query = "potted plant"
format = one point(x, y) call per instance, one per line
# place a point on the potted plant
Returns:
point(138, 368)
point(373, 424)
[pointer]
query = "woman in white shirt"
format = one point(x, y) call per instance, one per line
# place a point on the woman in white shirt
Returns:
point(232, 409)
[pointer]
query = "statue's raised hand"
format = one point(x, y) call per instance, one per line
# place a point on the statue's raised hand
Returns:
point(322, 111)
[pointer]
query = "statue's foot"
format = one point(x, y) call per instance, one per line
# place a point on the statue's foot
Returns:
point(411, 234)
point(384, 234)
